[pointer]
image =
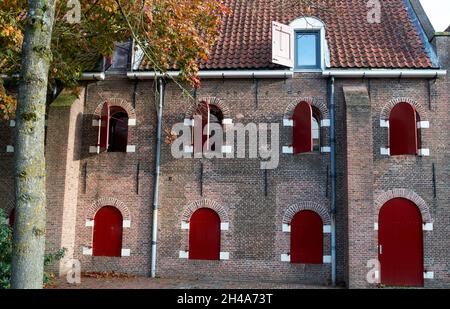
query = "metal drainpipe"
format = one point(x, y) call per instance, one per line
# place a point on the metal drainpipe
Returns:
point(159, 111)
point(333, 181)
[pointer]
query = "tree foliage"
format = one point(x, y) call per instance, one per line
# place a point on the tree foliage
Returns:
point(172, 33)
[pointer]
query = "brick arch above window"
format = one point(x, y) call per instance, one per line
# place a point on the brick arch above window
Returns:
point(319, 104)
point(386, 196)
point(386, 110)
point(292, 210)
point(108, 201)
point(193, 207)
point(117, 102)
point(212, 101)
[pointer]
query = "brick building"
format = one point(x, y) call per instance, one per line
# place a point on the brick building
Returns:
point(365, 172)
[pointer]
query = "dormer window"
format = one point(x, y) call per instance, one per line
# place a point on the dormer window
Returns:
point(301, 45)
point(307, 50)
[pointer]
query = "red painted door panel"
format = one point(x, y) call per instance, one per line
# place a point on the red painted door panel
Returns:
point(201, 128)
point(400, 238)
point(307, 238)
point(103, 137)
point(302, 135)
point(403, 130)
point(108, 232)
point(12, 217)
point(204, 235)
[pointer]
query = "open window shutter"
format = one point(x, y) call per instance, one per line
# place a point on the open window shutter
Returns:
point(282, 44)
point(403, 130)
point(103, 137)
point(302, 135)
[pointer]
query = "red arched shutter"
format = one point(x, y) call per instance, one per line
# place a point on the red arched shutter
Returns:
point(108, 232)
point(204, 235)
point(203, 113)
point(12, 217)
point(302, 139)
point(307, 238)
point(400, 239)
point(103, 135)
point(403, 130)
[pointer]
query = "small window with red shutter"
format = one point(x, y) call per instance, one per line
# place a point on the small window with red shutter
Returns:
point(303, 126)
point(113, 129)
point(108, 224)
point(204, 235)
point(205, 115)
point(403, 132)
point(307, 238)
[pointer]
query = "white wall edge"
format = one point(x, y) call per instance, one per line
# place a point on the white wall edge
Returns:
point(227, 149)
point(188, 122)
point(385, 151)
point(325, 123)
point(425, 152)
point(132, 122)
point(285, 258)
point(188, 149)
point(327, 259)
point(227, 121)
point(126, 223)
point(384, 123)
point(423, 125)
point(375, 227)
point(10, 149)
point(288, 122)
point(12, 123)
point(429, 275)
point(87, 251)
point(288, 150)
point(125, 252)
point(131, 148)
point(327, 229)
point(184, 225)
point(224, 226)
point(428, 227)
point(286, 228)
point(224, 256)
point(89, 223)
point(325, 149)
point(183, 255)
point(95, 122)
point(94, 149)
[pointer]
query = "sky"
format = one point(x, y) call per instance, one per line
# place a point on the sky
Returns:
point(439, 13)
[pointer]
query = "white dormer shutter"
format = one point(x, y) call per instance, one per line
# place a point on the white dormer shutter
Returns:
point(282, 44)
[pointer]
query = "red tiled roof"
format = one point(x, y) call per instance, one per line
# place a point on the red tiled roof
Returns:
point(246, 35)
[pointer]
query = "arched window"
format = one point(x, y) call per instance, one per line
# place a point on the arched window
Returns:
point(307, 238)
point(118, 130)
point(108, 224)
point(403, 132)
point(204, 235)
point(113, 129)
point(306, 134)
point(205, 115)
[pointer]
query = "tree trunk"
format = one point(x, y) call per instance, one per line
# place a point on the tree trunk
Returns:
point(29, 230)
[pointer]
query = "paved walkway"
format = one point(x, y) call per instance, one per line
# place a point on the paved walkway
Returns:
point(93, 282)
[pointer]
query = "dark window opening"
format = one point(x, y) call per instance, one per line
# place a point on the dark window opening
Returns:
point(118, 130)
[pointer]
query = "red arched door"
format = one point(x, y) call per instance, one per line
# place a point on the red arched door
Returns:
point(403, 130)
point(204, 235)
point(400, 239)
point(307, 238)
point(302, 135)
point(108, 224)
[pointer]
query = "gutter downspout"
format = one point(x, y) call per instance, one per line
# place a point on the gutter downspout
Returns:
point(159, 111)
point(333, 181)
